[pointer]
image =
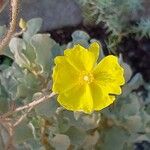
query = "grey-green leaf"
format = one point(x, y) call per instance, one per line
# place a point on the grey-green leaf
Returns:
point(42, 44)
point(33, 26)
point(24, 131)
point(61, 142)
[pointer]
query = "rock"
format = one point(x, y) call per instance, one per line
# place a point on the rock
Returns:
point(55, 13)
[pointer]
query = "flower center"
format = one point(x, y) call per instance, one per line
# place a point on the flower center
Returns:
point(86, 78)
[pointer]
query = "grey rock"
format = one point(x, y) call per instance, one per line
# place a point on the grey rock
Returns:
point(55, 13)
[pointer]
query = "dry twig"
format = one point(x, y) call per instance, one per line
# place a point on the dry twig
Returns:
point(14, 12)
point(28, 106)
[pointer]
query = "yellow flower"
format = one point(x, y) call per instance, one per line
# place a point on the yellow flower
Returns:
point(84, 85)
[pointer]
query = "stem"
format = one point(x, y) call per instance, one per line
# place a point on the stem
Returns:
point(28, 106)
point(45, 135)
point(9, 145)
point(22, 117)
point(4, 42)
point(1, 138)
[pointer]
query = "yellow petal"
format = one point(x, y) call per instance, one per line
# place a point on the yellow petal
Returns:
point(80, 58)
point(100, 99)
point(109, 75)
point(95, 48)
point(64, 75)
point(78, 98)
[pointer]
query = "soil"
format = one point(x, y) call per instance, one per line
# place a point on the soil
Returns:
point(135, 52)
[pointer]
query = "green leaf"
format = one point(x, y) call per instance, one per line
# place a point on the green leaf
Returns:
point(135, 82)
point(91, 121)
point(61, 142)
point(4, 136)
point(84, 122)
point(3, 100)
point(24, 131)
point(77, 136)
point(91, 140)
point(46, 109)
point(80, 37)
point(134, 123)
point(130, 107)
point(22, 91)
point(29, 53)
point(9, 82)
point(43, 44)
point(30, 81)
point(16, 46)
point(114, 138)
point(56, 50)
point(63, 124)
point(6, 51)
point(33, 26)
point(127, 71)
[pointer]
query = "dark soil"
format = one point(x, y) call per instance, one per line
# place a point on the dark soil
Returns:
point(136, 53)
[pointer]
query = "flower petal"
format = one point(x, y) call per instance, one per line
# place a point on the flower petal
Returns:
point(64, 75)
point(100, 98)
point(78, 98)
point(94, 48)
point(109, 75)
point(80, 58)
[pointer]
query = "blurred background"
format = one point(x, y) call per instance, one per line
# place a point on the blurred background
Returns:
point(55, 13)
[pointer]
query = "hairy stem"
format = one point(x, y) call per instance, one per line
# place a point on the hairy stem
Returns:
point(28, 106)
point(14, 11)
point(22, 117)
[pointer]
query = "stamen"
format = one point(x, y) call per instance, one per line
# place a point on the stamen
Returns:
point(86, 78)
